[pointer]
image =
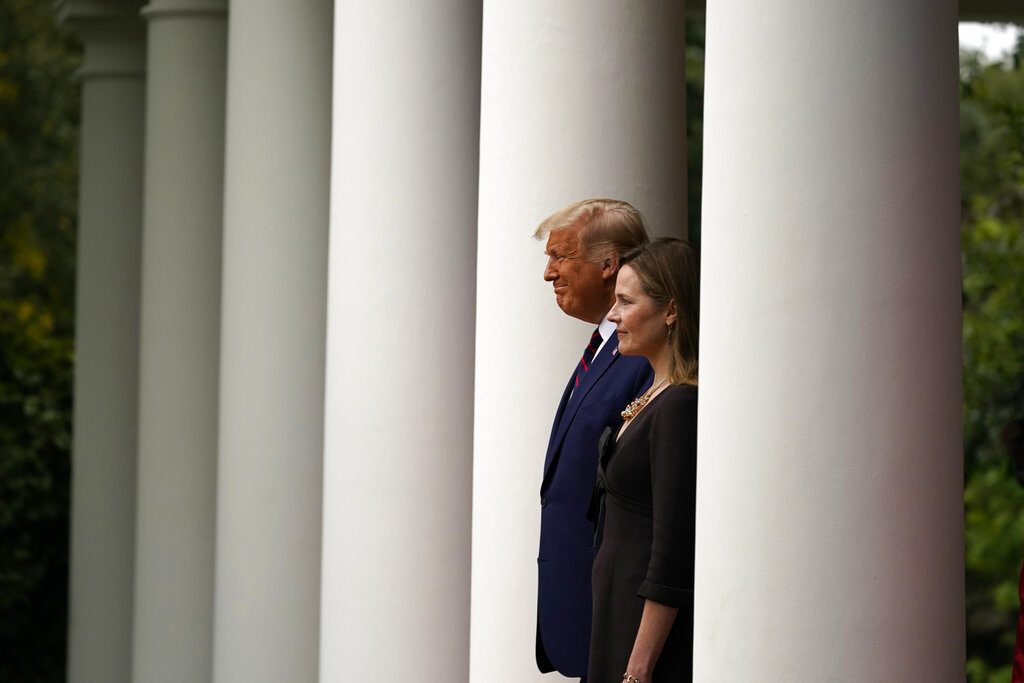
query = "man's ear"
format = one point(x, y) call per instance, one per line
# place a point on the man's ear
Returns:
point(671, 315)
point(610, 265)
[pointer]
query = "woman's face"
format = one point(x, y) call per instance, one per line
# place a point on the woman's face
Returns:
point(641, 324)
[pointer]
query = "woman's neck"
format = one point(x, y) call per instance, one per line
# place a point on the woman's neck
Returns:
point(659, 363)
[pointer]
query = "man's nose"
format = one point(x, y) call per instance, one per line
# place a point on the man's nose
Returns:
point(550, 272)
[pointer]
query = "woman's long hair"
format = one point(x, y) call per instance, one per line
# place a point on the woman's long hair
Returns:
point(669, 270)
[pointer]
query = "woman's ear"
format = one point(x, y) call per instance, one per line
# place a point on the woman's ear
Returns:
point(670, 312)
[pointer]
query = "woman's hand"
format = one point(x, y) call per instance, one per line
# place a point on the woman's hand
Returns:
point(655, 625)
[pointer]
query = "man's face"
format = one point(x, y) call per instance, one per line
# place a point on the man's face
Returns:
point(580, 287)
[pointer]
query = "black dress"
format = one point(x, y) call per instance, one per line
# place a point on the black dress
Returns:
point(650, 485)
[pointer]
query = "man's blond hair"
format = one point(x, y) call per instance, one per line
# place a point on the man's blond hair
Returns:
point(608, 225)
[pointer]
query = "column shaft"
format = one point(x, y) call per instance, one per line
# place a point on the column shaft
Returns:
point(106, 342)
point(180, 322)
point(272, 342)
point(579, 100)
point(830, 509)
point(398, 436)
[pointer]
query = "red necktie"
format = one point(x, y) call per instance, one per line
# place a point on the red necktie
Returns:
point(588, 354)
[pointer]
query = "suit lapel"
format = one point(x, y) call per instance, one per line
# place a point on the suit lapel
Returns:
point(555, 427)
point(570, 404)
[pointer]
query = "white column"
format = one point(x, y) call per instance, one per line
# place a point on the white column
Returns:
point(579, 100)
point(272, 342)
point(106, 340)
point(830, 509)
point(399, 402)
point(181, 266)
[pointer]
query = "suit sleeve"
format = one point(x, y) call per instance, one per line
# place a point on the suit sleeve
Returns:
point(673, 458)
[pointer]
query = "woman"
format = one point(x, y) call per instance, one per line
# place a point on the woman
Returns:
point(643, 573)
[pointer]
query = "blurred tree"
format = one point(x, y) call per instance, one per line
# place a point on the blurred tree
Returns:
point(39, 104)
point(992, 205)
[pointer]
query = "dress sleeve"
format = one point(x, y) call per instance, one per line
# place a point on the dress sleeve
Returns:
point(673, 459)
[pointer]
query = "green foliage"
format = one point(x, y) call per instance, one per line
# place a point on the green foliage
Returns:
point(992, 205)
point(35, 437)
point(39, 104)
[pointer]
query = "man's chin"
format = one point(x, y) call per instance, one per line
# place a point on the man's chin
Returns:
point(572, 311)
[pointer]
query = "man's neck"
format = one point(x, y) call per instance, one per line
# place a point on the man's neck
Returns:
point(596, 320)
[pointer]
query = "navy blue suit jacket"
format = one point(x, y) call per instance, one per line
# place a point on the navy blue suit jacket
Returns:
point(566, 536)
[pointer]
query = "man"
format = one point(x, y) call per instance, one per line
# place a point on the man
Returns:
point(584, 243)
